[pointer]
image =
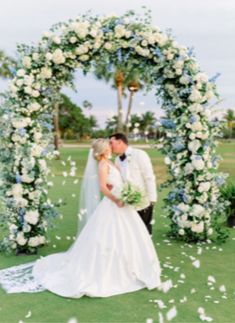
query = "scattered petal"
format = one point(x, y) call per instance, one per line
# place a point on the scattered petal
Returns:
point(171, 313)
point(211, 279)
point(196, 263)
point(160, 303)
point(28, 315)
point(165, 286)
point(222, 289)
point(72, 320)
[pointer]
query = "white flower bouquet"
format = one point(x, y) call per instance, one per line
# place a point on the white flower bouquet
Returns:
point(131, 195)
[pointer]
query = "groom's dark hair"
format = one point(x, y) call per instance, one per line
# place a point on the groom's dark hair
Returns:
point(119, 136)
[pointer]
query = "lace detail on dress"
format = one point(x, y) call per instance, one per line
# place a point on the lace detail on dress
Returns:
point(19, 279)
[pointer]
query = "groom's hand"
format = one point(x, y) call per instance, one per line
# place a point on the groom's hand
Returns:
point(152, 204)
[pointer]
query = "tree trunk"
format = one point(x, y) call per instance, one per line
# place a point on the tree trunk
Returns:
point(119, 77)
point(56, 126)
point(129, 112)
point(120, 111)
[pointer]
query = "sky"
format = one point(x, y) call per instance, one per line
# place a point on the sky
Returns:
point(206, 25)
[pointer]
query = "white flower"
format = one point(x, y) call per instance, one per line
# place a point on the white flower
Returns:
point(161, 39)
point(201, 77)
point(198, 227)
point(42, 164)
point(34, 242)
point(34, 195)
point(34, 106)
point(46, 73)
point(27, 61)
point(82, 49)
point(58, 56)
point(80, 28)
point(167, 160)
point(195, 96)
point(56, 40)
point(20, 202)
point(194, 145)
point(188, 168)
point(72, 40)
point(32, 217)
point(198, 164)
point(108, 46)
point(204, 187)
point(20, 72)
point(198, 210)
point(35, 93)
point(17, 190)
point(20, 239)
point(36, 150)
point(35, 57)
point(183, 207)
point(49, 56)
point(196, 126)
point(181, 232)
point(26, 179)
point(195, 108)
point(210, 231)
point(119, 31)
point(47, 34)
point(26, 228)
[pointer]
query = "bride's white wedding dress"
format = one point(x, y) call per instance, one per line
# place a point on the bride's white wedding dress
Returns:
point(113, 254)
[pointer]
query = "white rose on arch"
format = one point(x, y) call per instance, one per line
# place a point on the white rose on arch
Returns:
point(31, 217)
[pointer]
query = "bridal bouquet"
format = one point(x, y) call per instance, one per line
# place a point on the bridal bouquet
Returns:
point(131, 195)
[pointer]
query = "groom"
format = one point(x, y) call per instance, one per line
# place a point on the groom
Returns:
point(136, 167)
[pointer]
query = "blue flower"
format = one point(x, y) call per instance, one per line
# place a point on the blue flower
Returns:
point(183, 197)
point(158, 53)
point(171, 196)
point(22, 132)
point(191, 51)
point(18, 178)
point(219, 180)
point(167, 123)
point(192, 119)
point(214, 78)
point(119, 54)
point(178, 145)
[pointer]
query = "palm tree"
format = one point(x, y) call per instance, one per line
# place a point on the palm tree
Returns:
point(122, 78)
point(230, 119)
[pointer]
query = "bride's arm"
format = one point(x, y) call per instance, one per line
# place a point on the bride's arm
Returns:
point(103, 175)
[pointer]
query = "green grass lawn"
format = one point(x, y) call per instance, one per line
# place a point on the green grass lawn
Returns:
point(190, 290)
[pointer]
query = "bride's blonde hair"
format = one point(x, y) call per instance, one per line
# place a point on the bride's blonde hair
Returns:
point(99, 146)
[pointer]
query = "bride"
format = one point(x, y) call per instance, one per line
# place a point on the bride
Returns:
point(113, 253)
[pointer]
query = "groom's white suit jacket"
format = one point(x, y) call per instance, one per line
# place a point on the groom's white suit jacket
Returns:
point(137, 169)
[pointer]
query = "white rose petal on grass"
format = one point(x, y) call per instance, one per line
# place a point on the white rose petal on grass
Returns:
point(28, 315)
point(205, 318)
point(160, 303)
point(211, 279)
point(196, 263)
point(222, 289)
point(72, 320)
point(171, 313)
point(161, 320)
point(166, 286)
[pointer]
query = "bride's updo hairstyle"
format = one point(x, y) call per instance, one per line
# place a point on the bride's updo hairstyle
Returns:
point(99, 147)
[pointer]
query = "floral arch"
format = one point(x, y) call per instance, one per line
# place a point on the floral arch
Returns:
point(184, 91)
